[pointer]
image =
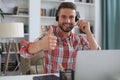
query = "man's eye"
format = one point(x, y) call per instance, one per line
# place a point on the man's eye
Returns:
point(63, 17)
point(71, 17)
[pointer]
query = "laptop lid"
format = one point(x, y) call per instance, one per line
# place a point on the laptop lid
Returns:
point(95, 65)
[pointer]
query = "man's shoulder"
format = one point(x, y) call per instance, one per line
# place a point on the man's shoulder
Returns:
point(80, 36)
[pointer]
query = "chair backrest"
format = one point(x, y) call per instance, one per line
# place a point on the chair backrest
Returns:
point(39, 67)
point(33, 65)
point(38, 62)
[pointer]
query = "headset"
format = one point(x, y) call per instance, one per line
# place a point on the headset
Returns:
point(76, 17)
point(67, 5)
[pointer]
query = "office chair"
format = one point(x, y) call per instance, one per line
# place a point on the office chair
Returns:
point(37, 66)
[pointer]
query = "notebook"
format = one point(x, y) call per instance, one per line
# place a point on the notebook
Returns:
point(97, 65)
point(46, 77)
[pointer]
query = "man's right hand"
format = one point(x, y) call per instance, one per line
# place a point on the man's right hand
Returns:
point(49, 40)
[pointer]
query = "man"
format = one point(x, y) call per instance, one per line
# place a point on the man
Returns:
point(59, 44)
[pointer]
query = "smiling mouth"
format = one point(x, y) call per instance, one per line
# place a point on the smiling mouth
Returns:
point(67, 25)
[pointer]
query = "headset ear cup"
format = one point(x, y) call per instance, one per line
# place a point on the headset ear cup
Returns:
point(76, 19)
point(77, 16)
point(56, 18)
point(56, 15)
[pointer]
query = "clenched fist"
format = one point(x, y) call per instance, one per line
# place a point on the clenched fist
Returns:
point(84, 26)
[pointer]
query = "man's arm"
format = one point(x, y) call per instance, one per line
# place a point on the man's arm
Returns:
point(46, 43)
point(85, 27)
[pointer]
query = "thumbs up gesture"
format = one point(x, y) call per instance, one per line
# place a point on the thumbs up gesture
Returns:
point(49, 40)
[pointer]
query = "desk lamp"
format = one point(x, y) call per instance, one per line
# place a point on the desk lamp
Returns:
point(10, 31)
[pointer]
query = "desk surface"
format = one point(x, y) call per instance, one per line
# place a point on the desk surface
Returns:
point(22, 77)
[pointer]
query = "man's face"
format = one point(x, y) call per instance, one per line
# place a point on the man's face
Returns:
point(66, 19)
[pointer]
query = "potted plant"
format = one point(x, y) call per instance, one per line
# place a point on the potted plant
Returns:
point(1, 13)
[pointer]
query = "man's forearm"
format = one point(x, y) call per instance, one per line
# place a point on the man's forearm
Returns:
point(35, 46)
point(92, 41)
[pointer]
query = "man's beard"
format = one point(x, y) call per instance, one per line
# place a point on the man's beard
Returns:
point(65, 28)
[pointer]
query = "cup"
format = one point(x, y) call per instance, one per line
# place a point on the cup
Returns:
point(67, 74)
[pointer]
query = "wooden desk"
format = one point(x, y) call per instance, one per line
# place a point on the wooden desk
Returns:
point(22, 77)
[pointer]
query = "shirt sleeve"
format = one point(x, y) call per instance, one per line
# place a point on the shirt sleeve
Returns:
point(24, 48)
point(84, 43)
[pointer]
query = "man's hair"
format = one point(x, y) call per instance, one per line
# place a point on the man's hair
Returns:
point(70, 5)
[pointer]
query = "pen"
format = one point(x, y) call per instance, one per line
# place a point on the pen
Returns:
point(61, 67)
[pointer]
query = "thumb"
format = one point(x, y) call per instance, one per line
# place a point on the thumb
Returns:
point(50, 31)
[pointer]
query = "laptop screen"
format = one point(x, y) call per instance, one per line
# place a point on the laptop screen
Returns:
point(93, 65)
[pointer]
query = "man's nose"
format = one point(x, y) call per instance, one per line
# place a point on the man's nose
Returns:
point(67, 20)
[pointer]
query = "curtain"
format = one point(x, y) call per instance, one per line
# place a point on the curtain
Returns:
point(110, 24)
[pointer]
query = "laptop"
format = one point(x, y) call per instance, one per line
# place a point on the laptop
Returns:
point(97, 65)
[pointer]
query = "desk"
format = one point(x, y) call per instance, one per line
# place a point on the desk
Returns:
point(22, 77)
